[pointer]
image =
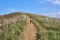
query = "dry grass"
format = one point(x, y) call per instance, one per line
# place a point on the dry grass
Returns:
point(48, 28)
point(12, 26)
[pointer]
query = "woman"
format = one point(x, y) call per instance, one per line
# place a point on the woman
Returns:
point(30, 20)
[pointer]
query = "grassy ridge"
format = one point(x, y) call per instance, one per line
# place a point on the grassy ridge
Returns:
point(13, 30)
point(47, 28)
point(52, 26)
point(41, 32)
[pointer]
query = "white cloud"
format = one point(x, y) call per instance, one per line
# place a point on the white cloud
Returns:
point(55, 14)
point(10, 9)
point(41, 1)
point(58, 13)
point(44, 8)
point(57, 2)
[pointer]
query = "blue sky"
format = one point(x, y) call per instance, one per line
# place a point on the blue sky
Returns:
point(43, 7)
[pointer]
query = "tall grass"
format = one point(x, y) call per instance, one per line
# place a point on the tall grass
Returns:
point(13, 30)
point(52, 26)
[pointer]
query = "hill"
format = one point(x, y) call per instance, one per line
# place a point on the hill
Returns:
point(47, 28)
point(13, 26)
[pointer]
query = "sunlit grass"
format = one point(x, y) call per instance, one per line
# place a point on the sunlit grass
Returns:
point(12, 31)
point(51, 25)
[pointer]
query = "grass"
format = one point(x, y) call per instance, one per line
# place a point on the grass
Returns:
point(13, 31)
point(50, 27)
point(47, 28)
point(54, 35)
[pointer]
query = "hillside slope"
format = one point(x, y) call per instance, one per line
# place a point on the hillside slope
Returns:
point(16, 26)
point(12, 26)
point(47, 28)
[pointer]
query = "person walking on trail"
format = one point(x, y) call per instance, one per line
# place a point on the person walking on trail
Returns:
point(30, 20)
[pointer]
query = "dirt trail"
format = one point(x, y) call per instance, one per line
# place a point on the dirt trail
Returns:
point(30, 31)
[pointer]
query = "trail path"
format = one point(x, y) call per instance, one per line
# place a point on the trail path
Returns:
point(30, 31)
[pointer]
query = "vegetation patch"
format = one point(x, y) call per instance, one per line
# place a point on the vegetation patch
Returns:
point(13, 30)
point(51, 26)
